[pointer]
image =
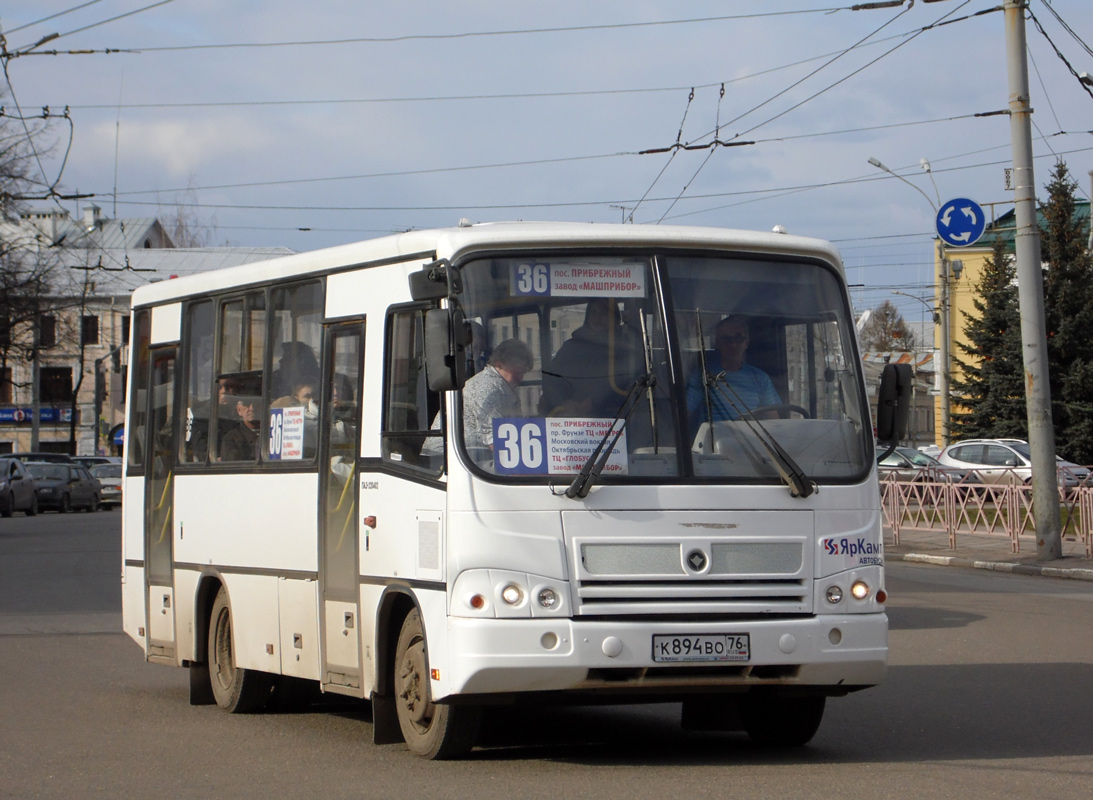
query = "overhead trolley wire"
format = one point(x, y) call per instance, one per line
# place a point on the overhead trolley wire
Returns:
point(430, 37)
point(51, 16)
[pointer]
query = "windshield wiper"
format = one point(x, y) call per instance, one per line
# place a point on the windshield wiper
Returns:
point(794, 477)
point(598, 459)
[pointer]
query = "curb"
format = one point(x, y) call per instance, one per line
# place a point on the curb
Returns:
point(997, 566)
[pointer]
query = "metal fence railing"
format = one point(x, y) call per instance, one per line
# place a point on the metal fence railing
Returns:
point(971, 506)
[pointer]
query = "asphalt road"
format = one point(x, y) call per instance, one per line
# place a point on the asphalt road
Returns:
point(989, 695)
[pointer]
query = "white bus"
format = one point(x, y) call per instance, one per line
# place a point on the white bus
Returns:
point(509, 463)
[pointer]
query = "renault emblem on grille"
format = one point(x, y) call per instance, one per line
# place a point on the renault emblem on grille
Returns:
point(696, 560)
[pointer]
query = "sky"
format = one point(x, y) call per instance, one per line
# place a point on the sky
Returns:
point(307, 125)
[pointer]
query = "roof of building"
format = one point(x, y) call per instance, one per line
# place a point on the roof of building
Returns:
point(1005, 226)
point(119, 255)
point(54, 227)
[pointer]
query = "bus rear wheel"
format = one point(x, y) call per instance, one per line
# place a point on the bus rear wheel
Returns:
point(431, 730)
point(237, 690)
point(772, 720)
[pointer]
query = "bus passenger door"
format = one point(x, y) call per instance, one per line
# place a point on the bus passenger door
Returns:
point(339, 550)
point(159, 506)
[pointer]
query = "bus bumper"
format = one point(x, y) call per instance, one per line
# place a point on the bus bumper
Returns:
point(510, 656)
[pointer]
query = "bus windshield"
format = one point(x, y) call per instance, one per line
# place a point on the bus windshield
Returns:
point(696, 363)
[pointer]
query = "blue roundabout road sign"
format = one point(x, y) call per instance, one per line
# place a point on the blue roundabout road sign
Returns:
point(960, 222)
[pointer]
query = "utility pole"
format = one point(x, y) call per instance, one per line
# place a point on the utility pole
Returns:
point(945, 385)
point(1030, 292)
point(941, 315)
point(36, 374)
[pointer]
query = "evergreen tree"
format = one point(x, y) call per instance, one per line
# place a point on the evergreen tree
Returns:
point(1068, 297)
point(990, 381)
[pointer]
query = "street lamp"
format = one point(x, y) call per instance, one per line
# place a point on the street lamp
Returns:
point(942, 315)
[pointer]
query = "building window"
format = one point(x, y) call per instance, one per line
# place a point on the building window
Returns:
point(89, 330)
point(47, 331)
point(56, 385)
point(125, 330)
point(5, 332)
point(6, 390)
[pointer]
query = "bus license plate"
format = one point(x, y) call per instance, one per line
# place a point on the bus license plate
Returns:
point(702, 647)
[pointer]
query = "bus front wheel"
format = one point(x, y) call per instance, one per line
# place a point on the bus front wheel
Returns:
point(772, 720)
point(237, 690)
point(430, 729)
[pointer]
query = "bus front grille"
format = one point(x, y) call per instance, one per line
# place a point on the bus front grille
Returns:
point(699, 597)
point(699, 577)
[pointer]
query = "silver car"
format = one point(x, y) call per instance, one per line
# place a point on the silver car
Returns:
point(909, 464)
point(18, 491)
point(109, 475)
point(1006, 461)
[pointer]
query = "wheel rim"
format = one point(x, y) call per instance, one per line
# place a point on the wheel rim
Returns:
point(223, 671)
point(413, 687)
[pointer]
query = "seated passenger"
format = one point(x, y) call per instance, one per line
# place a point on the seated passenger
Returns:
point(297, 363)
point(241, 442)
point(491, 393)
point(303, 396)
point(591, 373)
point(741, 386)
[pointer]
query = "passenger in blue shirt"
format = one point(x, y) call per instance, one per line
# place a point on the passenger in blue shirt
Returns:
point(748, 387)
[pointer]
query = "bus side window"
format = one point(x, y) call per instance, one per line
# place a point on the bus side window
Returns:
point(137, 429)
point(296, 316)
point(240, 408)
point(409, 406)
point(197, 381)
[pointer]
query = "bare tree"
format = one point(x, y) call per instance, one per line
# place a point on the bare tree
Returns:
point(887, 330)
point(26, 269)
point(183, 224)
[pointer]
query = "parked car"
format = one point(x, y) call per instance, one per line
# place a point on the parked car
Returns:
point(1005, 461)
point(94, 461)
point(65, 486)
point(52, 458)
point(908, 464)
point(109, 475)
point(17, 489)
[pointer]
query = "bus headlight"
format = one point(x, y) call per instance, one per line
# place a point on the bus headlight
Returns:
point(834, 594)
point(859, 590)
point(504, 594)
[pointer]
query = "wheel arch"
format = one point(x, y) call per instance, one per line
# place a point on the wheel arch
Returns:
point(395, 605)
point(208, 586)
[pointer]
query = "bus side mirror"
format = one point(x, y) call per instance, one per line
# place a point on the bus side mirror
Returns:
point(445, 349)
point(894, 403)
point(435, 281)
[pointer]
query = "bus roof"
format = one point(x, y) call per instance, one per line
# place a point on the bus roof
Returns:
point(456, 242)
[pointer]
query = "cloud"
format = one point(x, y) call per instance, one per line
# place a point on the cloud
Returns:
point(176, 148)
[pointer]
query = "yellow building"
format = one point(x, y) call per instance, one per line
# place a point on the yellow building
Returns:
point(965, 270)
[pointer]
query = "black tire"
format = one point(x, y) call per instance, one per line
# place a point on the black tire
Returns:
point(775, 721)
point(9, 507)
point(94, 506)
point(33, 510)
point(431, 730)
point(236, 690)
point(65, 506)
